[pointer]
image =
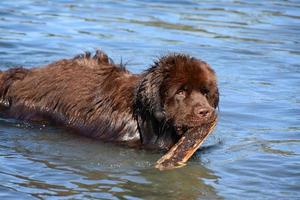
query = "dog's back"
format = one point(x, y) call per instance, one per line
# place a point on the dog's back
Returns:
point(88, 94)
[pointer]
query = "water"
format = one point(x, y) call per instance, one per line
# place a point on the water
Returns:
point(254, 48)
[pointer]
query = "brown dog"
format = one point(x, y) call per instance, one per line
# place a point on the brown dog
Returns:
point(93, 96)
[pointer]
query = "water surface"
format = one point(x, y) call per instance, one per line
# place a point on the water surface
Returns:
point(253, 47)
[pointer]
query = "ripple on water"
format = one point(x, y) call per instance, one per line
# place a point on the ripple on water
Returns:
point(254, 49)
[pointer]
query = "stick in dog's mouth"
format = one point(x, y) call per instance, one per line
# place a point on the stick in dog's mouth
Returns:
point(181, 152)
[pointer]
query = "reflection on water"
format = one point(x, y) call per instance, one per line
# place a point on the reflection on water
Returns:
point(254, 48)
point(45, 162)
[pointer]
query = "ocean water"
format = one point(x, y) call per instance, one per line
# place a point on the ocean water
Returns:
point(254, 48)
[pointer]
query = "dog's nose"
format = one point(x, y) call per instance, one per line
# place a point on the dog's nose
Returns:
point(203, 112)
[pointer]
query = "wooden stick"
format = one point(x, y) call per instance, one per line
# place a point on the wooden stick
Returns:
point(181, 152)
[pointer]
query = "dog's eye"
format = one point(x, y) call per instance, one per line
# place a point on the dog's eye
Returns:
point(181, 93)
point(205, 91)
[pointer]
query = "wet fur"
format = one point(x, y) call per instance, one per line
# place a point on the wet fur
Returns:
point(93, 96)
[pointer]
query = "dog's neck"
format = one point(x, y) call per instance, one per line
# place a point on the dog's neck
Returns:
point(154, 133)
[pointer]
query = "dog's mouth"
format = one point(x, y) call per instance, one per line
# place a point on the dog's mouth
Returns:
point(182, 128)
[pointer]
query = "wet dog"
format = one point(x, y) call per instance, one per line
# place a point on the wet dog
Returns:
point(91, 95)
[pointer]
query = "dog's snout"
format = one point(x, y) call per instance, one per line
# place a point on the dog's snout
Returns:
point(203, 112)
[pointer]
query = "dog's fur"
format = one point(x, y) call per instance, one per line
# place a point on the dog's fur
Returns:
point(93, 96)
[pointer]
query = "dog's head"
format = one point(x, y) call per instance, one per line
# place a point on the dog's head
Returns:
point(189, 92)
point(179, 90)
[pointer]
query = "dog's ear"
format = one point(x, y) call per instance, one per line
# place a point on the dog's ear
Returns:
point(148, 97)
point(147, 94)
